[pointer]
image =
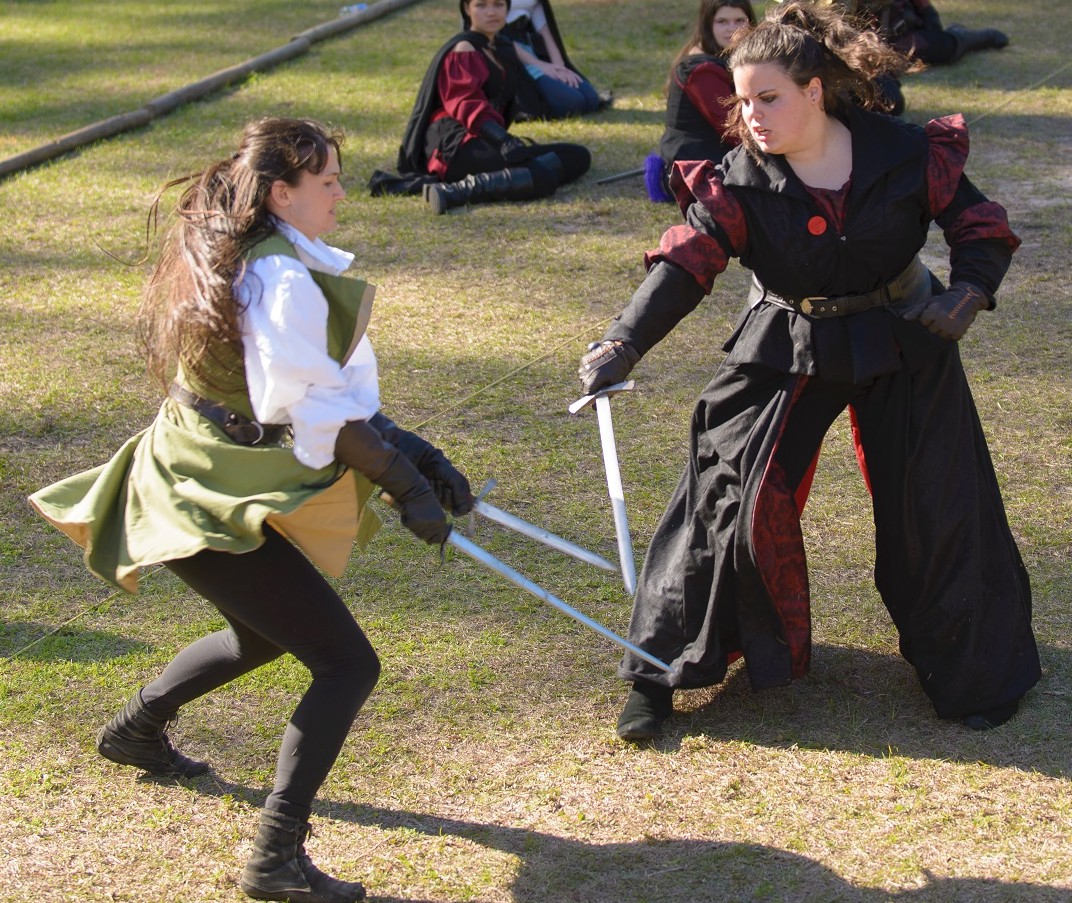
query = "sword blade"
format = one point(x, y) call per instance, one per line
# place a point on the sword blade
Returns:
point(617, 494)
point(470, 548)
point(541, 535)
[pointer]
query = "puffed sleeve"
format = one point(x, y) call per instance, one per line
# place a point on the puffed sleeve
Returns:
point(714, 229)
point(461, 89)
point(290, 375)
point(707, 86)
point(976, 229)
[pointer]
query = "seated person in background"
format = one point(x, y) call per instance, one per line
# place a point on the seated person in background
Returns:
point(457, 133)
point(915, 28)
point(554, 88)
point(696, 92)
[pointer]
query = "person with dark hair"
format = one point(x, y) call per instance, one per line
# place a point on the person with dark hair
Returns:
point(264, 451)
point(697, 93)
point(915, 28)
point(828, 203)
point(458, 132)
point(555, 88)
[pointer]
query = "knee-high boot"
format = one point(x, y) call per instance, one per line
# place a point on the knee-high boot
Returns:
point(138, 737)
point(517, 183)
point(280, 869)
point(502, 185)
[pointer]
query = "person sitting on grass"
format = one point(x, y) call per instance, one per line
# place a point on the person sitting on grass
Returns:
point(696, 94)
point(915, 28)
point(457, 147)
point(555, 88)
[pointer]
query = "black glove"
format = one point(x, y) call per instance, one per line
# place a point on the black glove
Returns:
point(361, 446)
point(606, 363)
point(513, 150)
point(449, 484)
point(952, 312)
point(931, 20)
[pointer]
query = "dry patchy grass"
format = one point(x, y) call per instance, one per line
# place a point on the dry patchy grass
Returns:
point(484, 767)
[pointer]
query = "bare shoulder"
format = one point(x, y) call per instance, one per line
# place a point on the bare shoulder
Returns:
point(463, 47)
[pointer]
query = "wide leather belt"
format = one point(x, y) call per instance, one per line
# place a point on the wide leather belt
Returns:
point(239, 428)
point(904, 286)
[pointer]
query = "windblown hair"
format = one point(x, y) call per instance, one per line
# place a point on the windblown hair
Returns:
point(702, 34)
point(809, 41)
point(189, 315)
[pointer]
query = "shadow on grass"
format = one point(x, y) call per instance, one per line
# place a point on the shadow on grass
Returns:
point(653, 871)
point(869, 703)
point(556, 868)
point(30, 641)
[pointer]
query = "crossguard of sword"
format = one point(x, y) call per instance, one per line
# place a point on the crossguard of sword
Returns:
point(607, 392)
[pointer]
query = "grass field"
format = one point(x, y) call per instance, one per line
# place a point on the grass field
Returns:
point(485, 767)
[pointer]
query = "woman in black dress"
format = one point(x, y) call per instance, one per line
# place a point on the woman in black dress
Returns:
point(828, 204)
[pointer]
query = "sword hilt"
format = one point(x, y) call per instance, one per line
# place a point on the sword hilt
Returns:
point(606, 392)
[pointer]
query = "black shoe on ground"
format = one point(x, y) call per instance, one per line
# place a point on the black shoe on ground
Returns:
point(280, 869)
point(645, 710)
point(991, 718)
point(138, 737)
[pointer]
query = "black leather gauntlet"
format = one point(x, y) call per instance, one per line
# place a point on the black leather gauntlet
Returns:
point(512, 149)
point(363, 447)
point(448, 483)
point(952, 312)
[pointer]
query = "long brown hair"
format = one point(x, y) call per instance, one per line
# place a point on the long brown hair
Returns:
point(811, 41)
point(189, 315)
point(703, 35)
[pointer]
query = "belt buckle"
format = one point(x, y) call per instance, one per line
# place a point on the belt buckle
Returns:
point(806, 305)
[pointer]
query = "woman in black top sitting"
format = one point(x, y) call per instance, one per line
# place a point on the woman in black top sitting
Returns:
point(696, 94)
point(458, 129)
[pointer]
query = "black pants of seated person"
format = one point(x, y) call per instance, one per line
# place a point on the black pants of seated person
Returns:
point(479, 156)
point(275, 601)
point(478, 173)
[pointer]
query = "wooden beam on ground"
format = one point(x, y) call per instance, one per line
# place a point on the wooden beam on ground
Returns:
point(161, 106)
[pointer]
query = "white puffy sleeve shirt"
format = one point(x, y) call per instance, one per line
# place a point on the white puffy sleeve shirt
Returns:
point(531, 8)
point(291, 377)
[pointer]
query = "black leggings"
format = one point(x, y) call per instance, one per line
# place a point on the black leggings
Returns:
point(478, 156)
point(276, 601)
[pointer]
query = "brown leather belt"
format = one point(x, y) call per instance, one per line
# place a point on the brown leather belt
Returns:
point(238, 427)
point(900, 288)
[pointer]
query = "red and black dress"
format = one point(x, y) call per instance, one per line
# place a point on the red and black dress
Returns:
point(695, 120)
point(695, 112)
point(461, 91)
point(725, 574)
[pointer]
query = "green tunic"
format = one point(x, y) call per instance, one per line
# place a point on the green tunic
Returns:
point(181, 485)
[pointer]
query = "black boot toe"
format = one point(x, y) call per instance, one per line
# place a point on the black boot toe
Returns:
point(991, 718)
point(645, 710)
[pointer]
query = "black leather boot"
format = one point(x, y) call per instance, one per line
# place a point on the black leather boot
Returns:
point(969, 39)
point(280, 869)
point(502, 185)
point(646, 708)
point(138, 737)
point(991, 718)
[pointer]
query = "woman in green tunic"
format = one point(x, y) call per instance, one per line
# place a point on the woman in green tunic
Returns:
point(266, 448)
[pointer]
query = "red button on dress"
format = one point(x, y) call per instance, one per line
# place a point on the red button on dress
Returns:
point(817, 225)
